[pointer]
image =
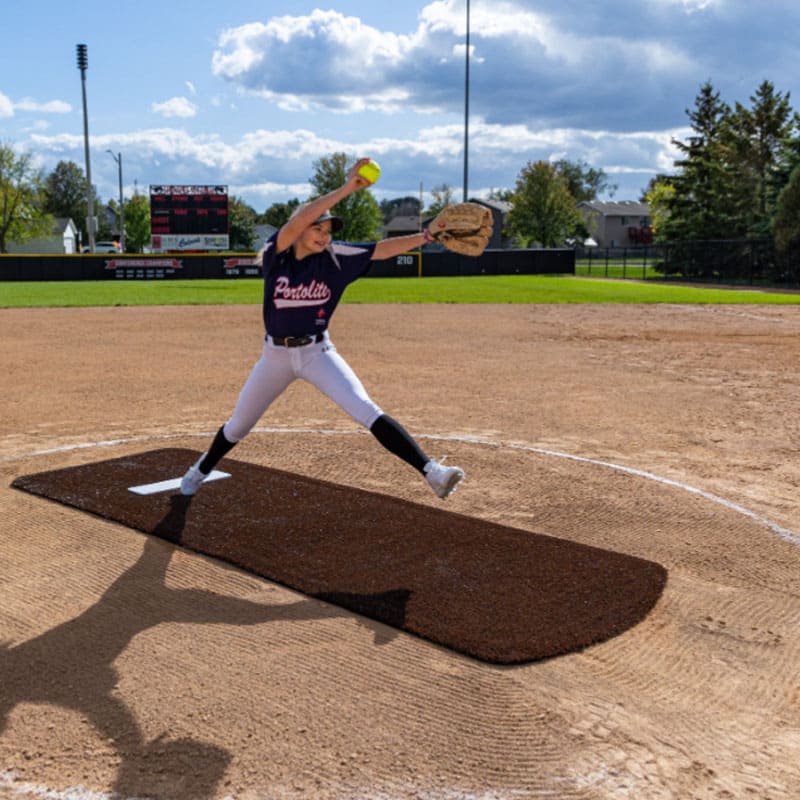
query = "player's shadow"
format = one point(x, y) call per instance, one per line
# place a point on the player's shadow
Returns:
point(72, 666)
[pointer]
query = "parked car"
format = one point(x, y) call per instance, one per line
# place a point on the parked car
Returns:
point(104, 247)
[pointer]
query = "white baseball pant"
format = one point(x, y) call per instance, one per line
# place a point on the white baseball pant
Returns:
point(318, 363)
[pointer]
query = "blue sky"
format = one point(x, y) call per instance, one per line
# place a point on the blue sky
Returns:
point(250, 94)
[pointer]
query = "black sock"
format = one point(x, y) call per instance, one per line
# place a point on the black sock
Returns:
point(396, 439)
point(218, 448)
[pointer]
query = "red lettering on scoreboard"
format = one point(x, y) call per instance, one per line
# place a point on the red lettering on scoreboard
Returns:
point(189, 210)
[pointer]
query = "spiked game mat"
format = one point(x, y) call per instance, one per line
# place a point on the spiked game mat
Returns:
point(498, 594)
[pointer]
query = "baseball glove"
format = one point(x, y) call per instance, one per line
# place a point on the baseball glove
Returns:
point(463, 228)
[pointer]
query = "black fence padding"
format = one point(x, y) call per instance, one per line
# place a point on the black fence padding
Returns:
point(110, 266)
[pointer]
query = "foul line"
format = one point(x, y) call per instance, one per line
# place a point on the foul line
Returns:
point(784, 533)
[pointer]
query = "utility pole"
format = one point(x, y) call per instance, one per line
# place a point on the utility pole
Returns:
point(466, 115)
point(118, 159)
point(83, 64)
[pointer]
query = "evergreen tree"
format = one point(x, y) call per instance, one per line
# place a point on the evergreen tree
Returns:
point(702, 207)
point(755, 139)
point(787, 160)
point(786, 224)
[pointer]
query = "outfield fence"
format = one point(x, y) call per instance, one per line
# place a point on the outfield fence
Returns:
point(430, 262)
point(747, 262)
point(619, 262)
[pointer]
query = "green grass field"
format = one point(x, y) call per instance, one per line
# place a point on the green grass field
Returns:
point(480, 289)
point(616, 268)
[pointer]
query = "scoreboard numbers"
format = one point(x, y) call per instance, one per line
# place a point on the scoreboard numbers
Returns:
point(189, 218)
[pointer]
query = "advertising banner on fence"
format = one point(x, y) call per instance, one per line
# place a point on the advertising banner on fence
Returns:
point(242, 266)
point(144, 268)
point(167, 243)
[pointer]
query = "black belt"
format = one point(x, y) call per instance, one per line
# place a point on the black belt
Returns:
point(297, 341)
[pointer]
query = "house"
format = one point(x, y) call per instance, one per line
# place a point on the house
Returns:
point(624, 224)
point(499, 209)
point(401, 225)
point(63, 239)
point(263, 232)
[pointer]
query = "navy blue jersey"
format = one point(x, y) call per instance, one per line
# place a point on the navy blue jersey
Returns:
point(301, 296)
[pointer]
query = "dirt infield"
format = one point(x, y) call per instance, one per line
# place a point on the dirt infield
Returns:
point(498, 594)
point(668, 433)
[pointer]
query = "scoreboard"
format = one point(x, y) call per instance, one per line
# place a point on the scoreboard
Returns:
point(189, 218)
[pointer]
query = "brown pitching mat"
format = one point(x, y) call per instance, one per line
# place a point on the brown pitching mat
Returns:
point(495, 593)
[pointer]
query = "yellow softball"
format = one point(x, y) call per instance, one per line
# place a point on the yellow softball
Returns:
point(370, 171)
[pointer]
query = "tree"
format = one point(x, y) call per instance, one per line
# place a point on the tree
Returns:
point(503, 195)
point(787, 160)
point(65, 196)
point(359, 211)
point(65, 193)
point(278, 214)
point(704, 205)
point(137, 223)
point(544, 211)
point(441, 196)
point(22, 215)
point(241, 224)
point(755, 138)
point(658, 196)
point(786, 225)
point(105, 228)
point(584, 183)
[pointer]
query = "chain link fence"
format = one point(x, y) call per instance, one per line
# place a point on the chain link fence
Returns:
point(750, 262)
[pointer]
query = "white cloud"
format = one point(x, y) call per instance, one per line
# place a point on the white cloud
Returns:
point(51, 107)
point(191, 87)
point(528, 66)
point(691, 6)
point(320, 56)
point(37, 125)
point(6, 106)
point(175, 107)
point(277, 164)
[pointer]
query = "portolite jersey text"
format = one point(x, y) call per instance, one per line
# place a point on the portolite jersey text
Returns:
point(301, 296)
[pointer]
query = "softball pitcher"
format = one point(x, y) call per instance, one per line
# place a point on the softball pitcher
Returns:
point(305, 274)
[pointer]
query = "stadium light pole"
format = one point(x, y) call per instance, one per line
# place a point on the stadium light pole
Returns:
point(466, 114)
point(83, 64)
point(118, 159)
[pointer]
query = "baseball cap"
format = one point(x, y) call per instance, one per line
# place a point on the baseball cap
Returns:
point(336, 222)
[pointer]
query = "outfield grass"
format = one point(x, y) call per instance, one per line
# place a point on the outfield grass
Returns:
point(617, 268)
point(475, 289)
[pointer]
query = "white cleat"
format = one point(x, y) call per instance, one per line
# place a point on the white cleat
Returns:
point(191, 481)
point(443, 480)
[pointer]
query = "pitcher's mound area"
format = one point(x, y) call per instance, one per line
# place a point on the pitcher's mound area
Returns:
point(495, 593)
